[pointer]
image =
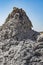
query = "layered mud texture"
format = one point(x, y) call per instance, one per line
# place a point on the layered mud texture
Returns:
point(19, 44)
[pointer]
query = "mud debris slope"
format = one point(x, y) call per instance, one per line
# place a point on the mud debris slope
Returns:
point(19, 44)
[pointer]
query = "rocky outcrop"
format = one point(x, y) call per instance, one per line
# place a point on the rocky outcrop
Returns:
point(19, 44)
point(24, 52)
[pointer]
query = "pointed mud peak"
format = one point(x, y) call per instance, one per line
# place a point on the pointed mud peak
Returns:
point(20, 16)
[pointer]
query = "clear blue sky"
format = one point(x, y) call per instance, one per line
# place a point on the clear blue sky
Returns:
point(33, 8)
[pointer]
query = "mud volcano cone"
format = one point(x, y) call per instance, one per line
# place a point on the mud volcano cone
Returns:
point(18, 26)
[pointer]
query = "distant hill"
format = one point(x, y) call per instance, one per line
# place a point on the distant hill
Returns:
point(41, 32)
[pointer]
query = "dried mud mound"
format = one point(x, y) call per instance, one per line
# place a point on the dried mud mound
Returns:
point(19, 44)
point(18, 26)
